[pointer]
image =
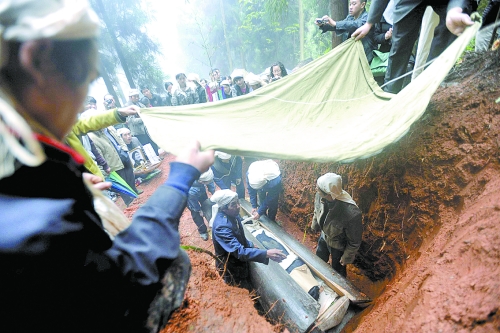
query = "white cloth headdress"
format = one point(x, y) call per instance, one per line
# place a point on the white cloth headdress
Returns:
point(260, 172)
point(222, 155)
point(331, 183)
point(207, 176)
point(220, 198)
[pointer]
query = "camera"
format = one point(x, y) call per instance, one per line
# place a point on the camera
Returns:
point(108, 102)
point(321, 21)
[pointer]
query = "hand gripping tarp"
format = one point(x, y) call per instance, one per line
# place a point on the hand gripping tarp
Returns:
point(330, 110)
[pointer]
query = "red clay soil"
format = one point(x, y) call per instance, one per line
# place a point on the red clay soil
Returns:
point(430, 255)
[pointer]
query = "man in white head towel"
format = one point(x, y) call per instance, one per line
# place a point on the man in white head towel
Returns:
point(264, 179)
point(339, 219)
point(232, 248)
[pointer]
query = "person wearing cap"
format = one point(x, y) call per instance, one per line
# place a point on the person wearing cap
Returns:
point(90, 103)
point(184, 94)
point(227, 169)
point(232, 248)
point(240, 87)
point(255, 81)
point(150, 99)
point(197, 196)
point(339, 219)
point(133, 98)
point(264, 181)
point(61, 272)
point(226, 89)
point(200, 90)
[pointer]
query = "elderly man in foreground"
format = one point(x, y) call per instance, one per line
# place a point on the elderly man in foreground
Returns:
point(60, 270)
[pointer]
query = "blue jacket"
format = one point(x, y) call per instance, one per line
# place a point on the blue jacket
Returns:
point(272, 189)
point(229, 239)
point(224, 173)
point(60, 270)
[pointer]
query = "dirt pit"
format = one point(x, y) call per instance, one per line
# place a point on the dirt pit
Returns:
point(430, 256)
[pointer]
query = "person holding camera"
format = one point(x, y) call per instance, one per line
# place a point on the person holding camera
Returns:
point(356, 18)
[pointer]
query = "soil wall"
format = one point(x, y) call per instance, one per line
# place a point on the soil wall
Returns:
point(406, 191)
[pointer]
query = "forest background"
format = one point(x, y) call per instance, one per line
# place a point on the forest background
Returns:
point(147, 42)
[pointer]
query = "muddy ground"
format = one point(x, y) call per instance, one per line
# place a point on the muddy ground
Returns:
point(430, 255)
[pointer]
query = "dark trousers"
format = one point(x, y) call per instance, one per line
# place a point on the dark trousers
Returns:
point(404, 34)
point(144, 139)
point(324, 252)
point(198, 220)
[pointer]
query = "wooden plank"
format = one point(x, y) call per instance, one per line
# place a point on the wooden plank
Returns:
point(338, 283)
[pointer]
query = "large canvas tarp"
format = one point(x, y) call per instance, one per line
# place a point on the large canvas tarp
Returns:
point(330, 110)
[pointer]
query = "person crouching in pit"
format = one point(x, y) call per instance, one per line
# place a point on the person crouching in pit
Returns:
point(232, 248)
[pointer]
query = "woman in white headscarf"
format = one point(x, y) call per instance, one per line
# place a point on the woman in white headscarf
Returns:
point(339, 219)
point(60, 270)
point(232, 248)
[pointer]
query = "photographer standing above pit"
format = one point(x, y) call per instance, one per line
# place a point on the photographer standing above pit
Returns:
point(356, 18)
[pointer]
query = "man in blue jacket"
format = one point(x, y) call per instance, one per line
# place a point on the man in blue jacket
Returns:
point(232, 248)
point(60, 270)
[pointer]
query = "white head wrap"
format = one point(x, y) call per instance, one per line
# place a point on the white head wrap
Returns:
point(207, 176)
point(331, 183)
point(24, 20)
point(220, 198)
point(222, 155)
point(260, 172)
point(122, 131)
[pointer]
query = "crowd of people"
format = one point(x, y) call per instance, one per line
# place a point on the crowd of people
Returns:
point(62, 271)
point(190, 89)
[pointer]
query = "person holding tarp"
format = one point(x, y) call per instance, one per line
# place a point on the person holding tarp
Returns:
point(232, 248)
point(407, 18)
point(60, 270)
point(339, 219)
point(264, 181)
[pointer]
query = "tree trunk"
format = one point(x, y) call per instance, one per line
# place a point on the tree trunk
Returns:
point(116, 44)
point(109, 85)
point(228, 49)
point(339, 10)
point(301, 29)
